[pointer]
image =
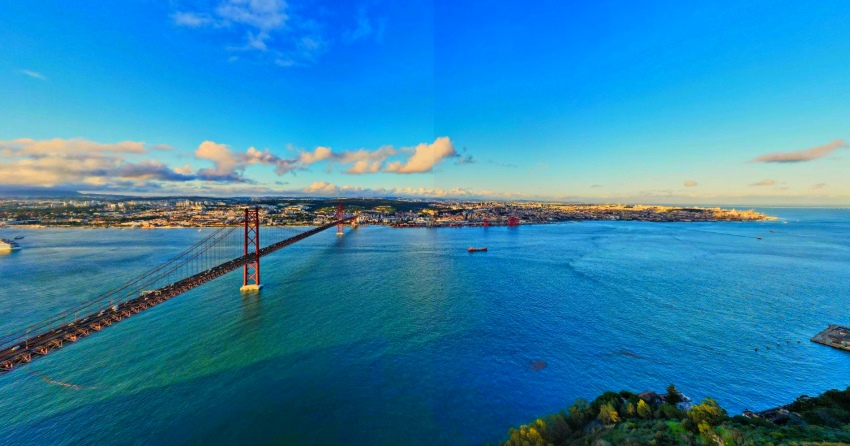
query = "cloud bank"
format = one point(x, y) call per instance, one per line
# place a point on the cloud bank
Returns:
point(59, 162)
point(80, 163)
point(323, 188)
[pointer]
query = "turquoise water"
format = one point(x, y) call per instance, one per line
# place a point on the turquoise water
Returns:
point(399, 336)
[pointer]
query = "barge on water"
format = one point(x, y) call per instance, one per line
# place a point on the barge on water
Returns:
point(834, 336)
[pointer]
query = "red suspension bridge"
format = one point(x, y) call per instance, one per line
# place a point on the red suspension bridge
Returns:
point(208, 259)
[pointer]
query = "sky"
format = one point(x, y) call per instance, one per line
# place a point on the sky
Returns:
point(610, 101)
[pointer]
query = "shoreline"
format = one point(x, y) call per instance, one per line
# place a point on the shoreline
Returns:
point(396, 226)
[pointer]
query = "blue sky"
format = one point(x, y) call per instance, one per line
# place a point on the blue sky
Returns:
point(660, 102)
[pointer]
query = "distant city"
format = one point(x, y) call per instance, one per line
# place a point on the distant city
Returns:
point(205, 212)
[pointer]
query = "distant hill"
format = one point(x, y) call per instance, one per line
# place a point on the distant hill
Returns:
point(39, 192)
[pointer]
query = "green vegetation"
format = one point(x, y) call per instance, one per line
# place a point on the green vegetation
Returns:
point(631, 419)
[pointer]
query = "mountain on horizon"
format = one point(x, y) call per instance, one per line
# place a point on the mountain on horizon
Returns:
point(41, 192)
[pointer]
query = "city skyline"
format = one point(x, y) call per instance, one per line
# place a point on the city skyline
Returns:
point(662, 103)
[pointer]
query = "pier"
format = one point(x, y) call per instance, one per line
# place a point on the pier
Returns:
point(834, 336)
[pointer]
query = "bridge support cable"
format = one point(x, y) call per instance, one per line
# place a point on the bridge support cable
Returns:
point(129, 287)
point(136, 296)
point(340, 215)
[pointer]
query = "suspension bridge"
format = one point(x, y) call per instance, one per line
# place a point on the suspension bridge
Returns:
point(206, 260)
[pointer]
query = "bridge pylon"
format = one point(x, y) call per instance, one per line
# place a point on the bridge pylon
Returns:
point(340, 214)
point(251, 270)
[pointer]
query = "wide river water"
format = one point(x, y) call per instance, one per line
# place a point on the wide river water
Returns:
point(399, 336)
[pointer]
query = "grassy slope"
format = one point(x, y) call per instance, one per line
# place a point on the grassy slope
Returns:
point(616, 418)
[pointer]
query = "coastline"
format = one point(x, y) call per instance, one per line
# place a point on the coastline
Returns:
point(767, 219)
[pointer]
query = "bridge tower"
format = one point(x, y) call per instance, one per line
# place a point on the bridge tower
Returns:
point(513, 221)
point(251, 270)
point(340, 214)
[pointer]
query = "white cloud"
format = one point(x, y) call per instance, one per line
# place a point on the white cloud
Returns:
point(378, 154)
point(255, 20)
point(361, 160)
point(58, 162)
point(34, 74)
point(46, 147)
point(264, 27)
point(118, 166)
point(324, 188)
point(223, 159)
point(801, 155)
point(229, 165)
point(263, 15)
point(321, 188)
point(425, 157)
point(363, 166)
point(320, 154)
point(254, 156)
point(191, 19)
point(764, 183)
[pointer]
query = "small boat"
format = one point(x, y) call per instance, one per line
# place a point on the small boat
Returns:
point(471, 249)
point(758, 238)
point(18, 237)
point(7, 245)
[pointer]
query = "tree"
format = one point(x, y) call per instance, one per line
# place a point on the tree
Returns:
point(673, 395)
point(580, 414)
point(643, 410)
point(670, 411)
point(709, 412)
point(607, 414)
point(630, 409)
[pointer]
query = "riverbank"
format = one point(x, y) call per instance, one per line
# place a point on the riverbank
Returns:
point(391, 225)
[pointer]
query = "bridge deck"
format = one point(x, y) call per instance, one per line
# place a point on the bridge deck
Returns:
point(53, 339)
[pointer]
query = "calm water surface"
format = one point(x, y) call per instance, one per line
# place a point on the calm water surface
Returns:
point(399, 336)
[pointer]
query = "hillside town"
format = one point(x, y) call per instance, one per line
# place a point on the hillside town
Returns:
point(207, 212)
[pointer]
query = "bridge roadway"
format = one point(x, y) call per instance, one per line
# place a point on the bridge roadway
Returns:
point(43, 343)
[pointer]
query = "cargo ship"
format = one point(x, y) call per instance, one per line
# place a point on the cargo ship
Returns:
point(8, 245)
point(477, 249)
